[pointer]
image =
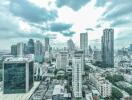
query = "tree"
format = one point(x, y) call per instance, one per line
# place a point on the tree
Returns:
point(115, 78)
point(55, 71)
point(116, 93)
point(129, 90)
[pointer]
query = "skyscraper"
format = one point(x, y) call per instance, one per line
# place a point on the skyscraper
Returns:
point(14, 50)
point(62, 60)
point(17, 75)
point(108, 47)
point(39, 51)
point(77, 74)
point(47, 44)
point(20, 49)
point(84, 43)
point(25, 48)
point(70, 45)
point(31, 46)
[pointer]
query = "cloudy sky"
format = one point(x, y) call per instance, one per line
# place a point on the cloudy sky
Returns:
point(61, 20)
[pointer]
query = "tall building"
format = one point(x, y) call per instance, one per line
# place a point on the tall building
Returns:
point(17, 75)
point(25, 48)
point(47, 44)
point(14, 50)
point(20, 49)
point(39, 51)
point(70, 45)
point(97, 55)
point(108, 47)
point(77, 73)
point(84, 43)
point(31, 46)
point(62, 60)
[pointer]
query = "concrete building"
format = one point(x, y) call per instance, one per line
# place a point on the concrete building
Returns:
point(62, 60)
point(103, 86)
point(77, 74)
point(108, 47)
point(84, 43)
point(17, 75)
point(58, 93)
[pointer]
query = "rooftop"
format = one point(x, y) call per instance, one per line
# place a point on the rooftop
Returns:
point(58, 89)
point(17, 59)
point(20, 96)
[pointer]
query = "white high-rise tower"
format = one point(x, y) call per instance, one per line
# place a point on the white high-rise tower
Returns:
point(77, 74)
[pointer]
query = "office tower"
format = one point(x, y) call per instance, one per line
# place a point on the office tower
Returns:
point(14, 50)
point(84, 43)
point(17, 75)
point(108, 47)
point(20, 49)
point(70, 45)
point(39, 51)
point(77, 74)
point(62, 60)
point(47, 44)
point(25, 51)
point(31, 46)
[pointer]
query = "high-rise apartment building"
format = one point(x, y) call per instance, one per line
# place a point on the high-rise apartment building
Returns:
point(77, 68)
point(84, 43)
point(62, 60)
point(108, 47)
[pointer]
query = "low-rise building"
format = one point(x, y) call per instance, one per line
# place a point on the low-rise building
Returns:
point(103, 86)
point(58, 92)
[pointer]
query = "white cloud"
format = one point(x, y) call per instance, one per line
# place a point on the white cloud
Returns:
point(88, 16)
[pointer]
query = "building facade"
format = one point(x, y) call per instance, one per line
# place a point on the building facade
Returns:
point(103, 86)
point(77, 68)
point(20, 49)
point(31, 46)
point(70, 45)
point(14, 50)
point(108, 47)
point(17, 75)
point(39, 53)
point(62, 60)
point(84, 43)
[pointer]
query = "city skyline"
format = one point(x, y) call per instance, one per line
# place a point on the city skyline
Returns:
point(61, 20)
point(65, 50)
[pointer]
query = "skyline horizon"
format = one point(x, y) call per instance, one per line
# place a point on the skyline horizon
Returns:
point(61, 20)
